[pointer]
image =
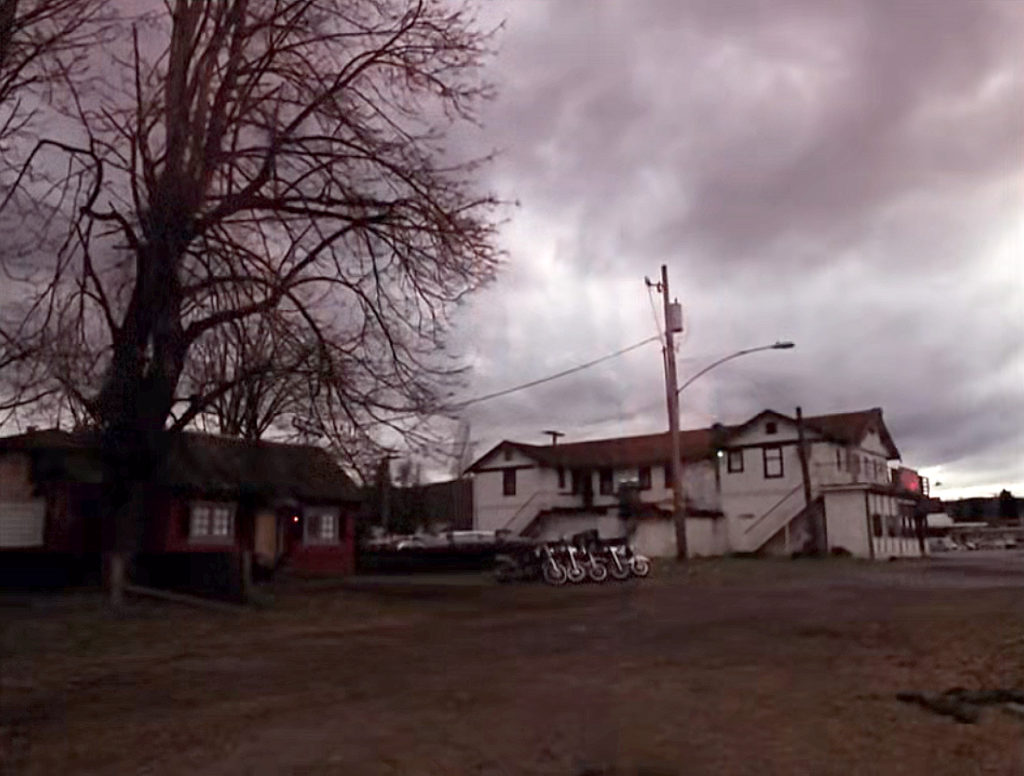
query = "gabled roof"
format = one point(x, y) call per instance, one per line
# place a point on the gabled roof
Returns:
point(848, 428)
point(644, 450)
point(208, 463)
point(852, 427)
point(205, 463)
point(46, 439)
point(695, 444)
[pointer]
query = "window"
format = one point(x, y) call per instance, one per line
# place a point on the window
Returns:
point(577, 481)
point(735, 461)
point(604, 484)
point(855, 465)
point(508, 482)
point(771, 427)
point(209, 522)
point(839, 458)
point(322, 526)
point(773, 462)
point(666, 470)
point(644, 475)
point(876, 525)
point(561, 477)
point(508, 453)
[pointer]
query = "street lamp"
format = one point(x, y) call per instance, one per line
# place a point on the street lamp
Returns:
point(679, 505)
point(737, 354)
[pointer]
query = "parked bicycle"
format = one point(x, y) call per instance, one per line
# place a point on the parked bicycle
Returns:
point(584, 557)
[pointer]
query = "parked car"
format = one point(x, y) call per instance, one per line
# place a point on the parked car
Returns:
point(421, 541)
point(471, 537)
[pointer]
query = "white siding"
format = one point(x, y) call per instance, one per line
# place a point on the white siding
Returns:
point(846, 522)
point(705, 537)
point(872, 443)
point(749, 496)
point(536, 490)
point(556, 527)
point(22, 523)
point(785, 431)
point(656, 538)
point(849, 519)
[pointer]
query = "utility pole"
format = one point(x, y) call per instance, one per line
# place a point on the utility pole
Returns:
point(673, 324)
point(816, 528)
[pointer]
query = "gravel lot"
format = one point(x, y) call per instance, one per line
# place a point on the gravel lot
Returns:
point(746, 667)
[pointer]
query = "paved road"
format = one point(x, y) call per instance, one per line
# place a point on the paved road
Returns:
point(959, 570)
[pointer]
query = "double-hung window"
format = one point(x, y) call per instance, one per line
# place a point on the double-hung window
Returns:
point(508, 482)
point(211, 522)
point(773, 468)
point(735, 461)
point(322, 525)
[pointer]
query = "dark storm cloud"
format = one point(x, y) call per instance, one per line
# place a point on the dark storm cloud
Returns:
point(847, 175)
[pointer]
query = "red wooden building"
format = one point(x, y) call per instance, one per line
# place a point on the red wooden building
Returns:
point(289, 505)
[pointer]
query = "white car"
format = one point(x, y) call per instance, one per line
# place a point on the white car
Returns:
point(471, 537)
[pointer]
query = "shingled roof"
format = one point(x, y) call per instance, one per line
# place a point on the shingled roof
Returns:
point(695, 444)
point(212, 464)
point(208, 464)
point(644, 450)
point(851, 427)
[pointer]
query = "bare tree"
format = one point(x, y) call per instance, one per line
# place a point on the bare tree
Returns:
point(43, 44)
point(267, 378)
point(267, 160)
point(261, 379)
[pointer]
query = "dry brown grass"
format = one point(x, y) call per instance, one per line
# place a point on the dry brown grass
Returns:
point(730, 667)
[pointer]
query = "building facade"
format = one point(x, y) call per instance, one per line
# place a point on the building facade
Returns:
point(747, 488)
point(213, 500)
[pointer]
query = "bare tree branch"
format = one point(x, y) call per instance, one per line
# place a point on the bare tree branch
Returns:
point(259, 222)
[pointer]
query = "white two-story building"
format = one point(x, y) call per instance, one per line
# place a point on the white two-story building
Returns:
point(743, 486)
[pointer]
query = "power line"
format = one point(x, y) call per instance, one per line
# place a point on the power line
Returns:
point(549, 378)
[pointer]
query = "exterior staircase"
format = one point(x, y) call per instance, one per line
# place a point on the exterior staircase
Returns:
point(798, 533)
point(784, 527)
point(527, 513)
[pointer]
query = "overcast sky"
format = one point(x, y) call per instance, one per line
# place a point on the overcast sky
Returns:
point(845, 175)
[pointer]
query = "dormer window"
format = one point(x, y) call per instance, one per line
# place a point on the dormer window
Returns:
point(771, 427)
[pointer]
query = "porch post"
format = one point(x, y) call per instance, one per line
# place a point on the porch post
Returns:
point(867, 521)
point(246, 574)
point(115, 579)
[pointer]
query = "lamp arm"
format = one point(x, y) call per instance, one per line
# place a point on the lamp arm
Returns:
point(711, 366)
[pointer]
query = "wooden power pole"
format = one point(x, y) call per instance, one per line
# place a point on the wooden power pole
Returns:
point(815, 523)
point(673, 324)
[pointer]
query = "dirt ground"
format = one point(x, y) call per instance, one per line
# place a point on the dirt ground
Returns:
point(728, 667)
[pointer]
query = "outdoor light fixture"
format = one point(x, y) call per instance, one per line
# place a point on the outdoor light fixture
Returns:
point(731, 356)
